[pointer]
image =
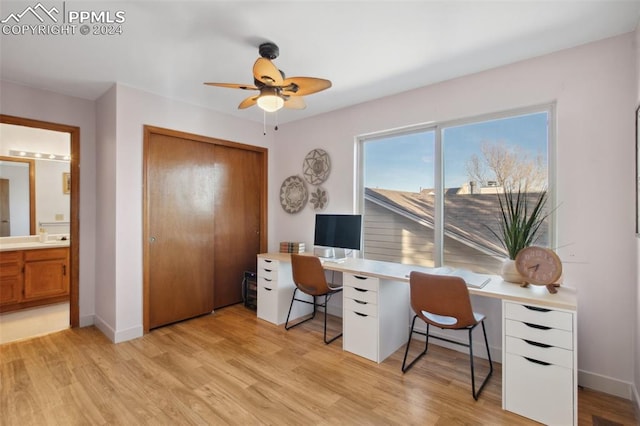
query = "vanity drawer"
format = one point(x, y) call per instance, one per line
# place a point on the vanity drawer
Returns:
point(363, 295)
point(361, 308)
point(548, 336)
point(549, 355)
point(361, 282)
point(7, 257)
point(539, 316)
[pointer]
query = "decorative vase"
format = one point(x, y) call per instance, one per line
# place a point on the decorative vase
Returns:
point(510, 273)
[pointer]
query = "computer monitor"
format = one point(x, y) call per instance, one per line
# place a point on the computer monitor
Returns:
point(338, 231)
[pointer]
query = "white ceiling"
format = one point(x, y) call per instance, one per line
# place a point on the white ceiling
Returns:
point(368, 49)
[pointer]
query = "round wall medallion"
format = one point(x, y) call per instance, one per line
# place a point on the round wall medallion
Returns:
point(293, 194)
point(319, 198)
point(316, 166)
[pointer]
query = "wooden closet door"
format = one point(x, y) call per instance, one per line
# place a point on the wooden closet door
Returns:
point(180, 195)
point(238, 188)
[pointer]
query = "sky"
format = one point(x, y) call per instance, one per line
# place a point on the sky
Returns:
point(406, 162)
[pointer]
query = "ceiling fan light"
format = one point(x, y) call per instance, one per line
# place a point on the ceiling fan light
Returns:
point(270, 103)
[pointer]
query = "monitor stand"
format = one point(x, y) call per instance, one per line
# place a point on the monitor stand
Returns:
point(330, 254)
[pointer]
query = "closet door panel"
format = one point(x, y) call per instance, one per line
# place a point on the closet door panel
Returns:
point(237, 212)
point(180, 194)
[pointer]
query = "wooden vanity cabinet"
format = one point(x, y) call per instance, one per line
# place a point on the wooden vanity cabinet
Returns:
point(33, 278)
point(45, 273)
point(10, 277)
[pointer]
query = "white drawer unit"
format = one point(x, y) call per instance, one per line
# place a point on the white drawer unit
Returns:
point(275, 289)
point(375, 313)
point(539, 379)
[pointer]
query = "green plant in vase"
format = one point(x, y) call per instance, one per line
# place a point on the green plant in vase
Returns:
point(520, 220)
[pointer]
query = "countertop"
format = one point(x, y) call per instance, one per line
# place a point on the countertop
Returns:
point(32, 242)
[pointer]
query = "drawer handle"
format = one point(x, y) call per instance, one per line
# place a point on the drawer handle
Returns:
point(535, 361)
point(267, 288)
point(538, 326)
point(362, 290)
point(268, 270)
point(362, 315)
point(538, 344)
point(268, 261)
point(269, 279)
point(360, 302)
point(535, 308)
point(359, 277)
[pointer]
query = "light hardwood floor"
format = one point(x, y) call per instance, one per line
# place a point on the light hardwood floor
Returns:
point(231, 368)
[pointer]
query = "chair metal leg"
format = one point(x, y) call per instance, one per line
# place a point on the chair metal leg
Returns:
point(405, 367)
point(315, 305)
point(326, 299)
point(475, 393)
point(293, 298)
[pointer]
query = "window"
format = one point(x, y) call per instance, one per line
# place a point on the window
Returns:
point(429, 194)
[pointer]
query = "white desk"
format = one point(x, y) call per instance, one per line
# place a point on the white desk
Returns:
point(539, 329)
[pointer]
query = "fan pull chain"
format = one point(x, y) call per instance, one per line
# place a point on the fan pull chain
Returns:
point(264, 123)
point(276, 128)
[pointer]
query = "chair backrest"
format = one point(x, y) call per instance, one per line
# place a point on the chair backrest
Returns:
point(441, 295)
point(308, 274)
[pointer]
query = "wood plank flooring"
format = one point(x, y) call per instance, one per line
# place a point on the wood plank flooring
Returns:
point(231, 368)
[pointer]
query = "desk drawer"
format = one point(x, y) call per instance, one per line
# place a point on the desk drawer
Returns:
point(268, 268)
point(362, 295)
point(360, 335)
point(550, 355)
point(541, 392)
point(267, 282)
point(361, 282)
point(548, 336)
point(539, 316)
point(360, 308)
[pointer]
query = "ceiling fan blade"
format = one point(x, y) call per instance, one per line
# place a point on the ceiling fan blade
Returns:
point(267, 73)
point(300, 86)
point(234, 86)
point(296, 102)
point(250, 101)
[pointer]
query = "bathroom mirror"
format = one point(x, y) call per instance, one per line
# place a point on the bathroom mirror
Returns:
point(17, 197)
point(34, 177)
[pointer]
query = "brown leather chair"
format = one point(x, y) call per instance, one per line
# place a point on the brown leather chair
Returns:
point(444, 302)
point(309, 278)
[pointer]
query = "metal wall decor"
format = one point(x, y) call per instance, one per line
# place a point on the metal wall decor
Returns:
point(319, 199)
point(293, 194)
point(316, 166)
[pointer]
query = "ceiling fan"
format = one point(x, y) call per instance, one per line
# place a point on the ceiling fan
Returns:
point(276, 91)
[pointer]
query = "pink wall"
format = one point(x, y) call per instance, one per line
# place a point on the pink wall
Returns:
point(594, 87)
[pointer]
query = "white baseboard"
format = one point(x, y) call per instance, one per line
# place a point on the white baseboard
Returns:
point(104, 328)
point(117, 336)
point(607, 385)
point(129, 334)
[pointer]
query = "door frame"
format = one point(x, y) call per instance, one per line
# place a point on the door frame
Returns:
point(146, 232)
point(74, 167)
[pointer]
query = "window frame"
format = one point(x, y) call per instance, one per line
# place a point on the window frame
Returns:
point(438, 127)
